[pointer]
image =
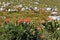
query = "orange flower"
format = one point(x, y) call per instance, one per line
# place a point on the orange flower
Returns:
point(48, 19)
point(41, 21)
point(27, 20)
point(42, 36)
point(39, 28)
point(20, 20)
point(7, 20)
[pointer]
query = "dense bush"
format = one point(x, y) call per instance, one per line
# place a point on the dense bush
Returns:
point(53, 28)
point(26, 30)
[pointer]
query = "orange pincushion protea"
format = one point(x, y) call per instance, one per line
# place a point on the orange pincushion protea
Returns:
point(27, 20)
point(7, 20)
point(39, 28)
point(20, 20)
point(48, 19)
point(42, 21)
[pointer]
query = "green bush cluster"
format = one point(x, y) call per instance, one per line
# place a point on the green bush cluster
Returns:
point(53, 28)
point(49, 30)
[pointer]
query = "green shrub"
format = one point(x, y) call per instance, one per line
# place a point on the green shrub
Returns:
point(27, 30)
point(21, 31)
point(52, 27)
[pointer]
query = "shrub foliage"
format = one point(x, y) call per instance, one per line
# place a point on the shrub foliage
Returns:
point(26, 30)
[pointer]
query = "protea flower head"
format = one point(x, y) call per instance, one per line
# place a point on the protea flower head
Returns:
point(20, 20)
point(39, 28)
point(7, 20)
point(42, 21)
point(27, 20)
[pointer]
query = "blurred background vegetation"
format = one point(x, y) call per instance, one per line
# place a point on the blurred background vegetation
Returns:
point(30, 14)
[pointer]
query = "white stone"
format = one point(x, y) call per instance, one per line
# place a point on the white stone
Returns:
point(23, 9)
point(48, 9)
point(3, 2)
point(55, 17)
point(12, 10)
point(35, 8)
point(36, 3)
point(1, 9)
point(20, 5)
point(58, 28)
point(54, 9)
point(9, 10)
point(26, 7)
point(5, 5)
point(17, 6)
point(54, 13)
